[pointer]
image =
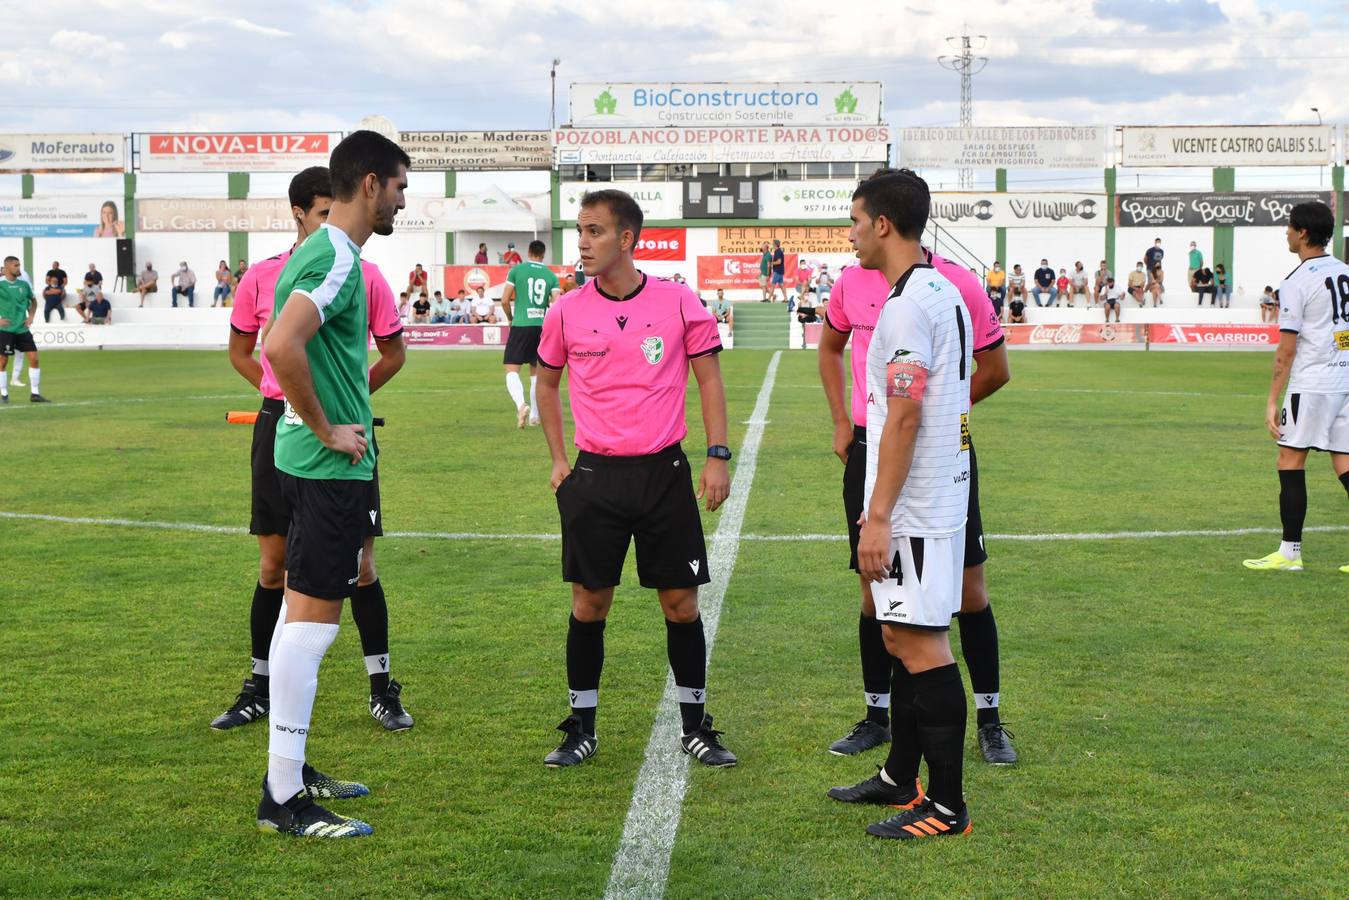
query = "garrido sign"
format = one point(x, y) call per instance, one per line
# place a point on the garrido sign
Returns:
point(1269, 208)
point(607, 104)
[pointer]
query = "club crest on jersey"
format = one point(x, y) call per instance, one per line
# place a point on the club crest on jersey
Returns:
point(653, 348)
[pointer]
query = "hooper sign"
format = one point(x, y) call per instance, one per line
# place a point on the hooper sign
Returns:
point(236, 152)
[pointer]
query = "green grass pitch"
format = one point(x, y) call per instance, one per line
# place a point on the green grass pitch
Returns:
point(1181, 721)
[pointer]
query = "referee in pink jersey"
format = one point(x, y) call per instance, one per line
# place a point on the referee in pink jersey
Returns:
point(628, 341)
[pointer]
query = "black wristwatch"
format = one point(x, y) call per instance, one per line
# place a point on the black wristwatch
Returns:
point(718, 451)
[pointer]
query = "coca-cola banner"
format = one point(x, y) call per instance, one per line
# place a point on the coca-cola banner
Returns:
point(1069, 335)
point(1268, 208)
point(1215, 335)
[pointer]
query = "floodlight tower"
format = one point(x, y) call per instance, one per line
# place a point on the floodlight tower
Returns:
point(968, 65)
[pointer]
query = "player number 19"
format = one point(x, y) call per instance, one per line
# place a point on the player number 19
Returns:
point(1339, 298)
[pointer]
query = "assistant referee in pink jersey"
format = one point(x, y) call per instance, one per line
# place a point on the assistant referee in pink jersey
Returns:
point(628, 340)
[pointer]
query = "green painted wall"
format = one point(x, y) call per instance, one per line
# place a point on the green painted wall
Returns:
point(1337, 184)
point(451, 185)
point(555, 190)
point(1224, 236)
point(26, 183)
point(238, 190)
point(1110, 219)
point(1000, 234)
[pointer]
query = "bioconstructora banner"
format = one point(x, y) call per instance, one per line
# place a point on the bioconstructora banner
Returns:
point(1268, 208)
point(1019, 210)
point(235, 152)
point(1226, 145)
point(62, 153)
point(476, 151)
point(609, 104)
point(842, 143)
point(1056, 147)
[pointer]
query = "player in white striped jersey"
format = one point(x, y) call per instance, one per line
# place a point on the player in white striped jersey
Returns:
point(912, 543)
point(1312, 361)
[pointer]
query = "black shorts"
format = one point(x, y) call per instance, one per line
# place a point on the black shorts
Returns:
point(330, 520)
point(854, 502)
point(522, 345)
point(608, 500)
point(271, 510)
point(11, 343)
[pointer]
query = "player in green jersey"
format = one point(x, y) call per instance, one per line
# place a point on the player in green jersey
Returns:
point(318, 350)
point(18, 305)
point(530, 287)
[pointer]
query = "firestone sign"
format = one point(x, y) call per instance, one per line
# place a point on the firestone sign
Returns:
point(610, 104)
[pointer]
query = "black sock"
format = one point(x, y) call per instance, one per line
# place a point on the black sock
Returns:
point(1292, 503)
point(261, 621)
point(876, 665)
point(979, 645)
point(905, 751)
point(585, 662)
point(1344, 480)
point(371, 613)
point(687, 649)
point(939, 702)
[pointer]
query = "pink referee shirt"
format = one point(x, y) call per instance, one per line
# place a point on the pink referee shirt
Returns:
point(855, 305)
point(254, 299)
point(629, 362)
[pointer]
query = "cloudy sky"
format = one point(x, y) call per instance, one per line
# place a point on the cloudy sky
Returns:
point(114, 65)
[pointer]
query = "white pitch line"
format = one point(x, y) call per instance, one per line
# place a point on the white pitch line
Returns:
point(755, 538)
point(642, 861)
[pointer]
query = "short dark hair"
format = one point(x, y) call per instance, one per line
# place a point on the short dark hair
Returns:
point(8, 258)
point(898, 195)
point(360, 154)
point(537, 248)
point(1315, 218)
point(621, 206)
point(309, 185)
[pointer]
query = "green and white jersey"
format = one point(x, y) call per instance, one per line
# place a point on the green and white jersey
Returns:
point(534, 285)
point(327, 270)
point(14, 299)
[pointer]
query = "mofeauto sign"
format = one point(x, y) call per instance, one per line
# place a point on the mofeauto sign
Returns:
point(610, 104)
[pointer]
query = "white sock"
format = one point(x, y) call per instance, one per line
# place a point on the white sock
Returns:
point(1291, 549)
point(534, 395)
point(943, 809)
point(34, 378)
point(295, 680)
point(887, 779)
point(4, 387)
point(516, 388)
point(17, 371)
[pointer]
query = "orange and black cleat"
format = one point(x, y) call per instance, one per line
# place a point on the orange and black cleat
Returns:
point(924, 820)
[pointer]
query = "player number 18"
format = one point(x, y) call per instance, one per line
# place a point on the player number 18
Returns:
point(1339, 298)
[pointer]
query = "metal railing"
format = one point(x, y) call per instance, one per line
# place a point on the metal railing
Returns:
point(940, 241)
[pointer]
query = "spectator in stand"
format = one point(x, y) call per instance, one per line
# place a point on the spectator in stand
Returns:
point(147, 282)
point(1157, 284)
point(1201, 283)
point(1269, 305)
point(481, 258)
point(765, 271)
point(82, 308)
point(1016, 284)
point(677, 278)
point(240, 272)
point(1102, 278)
point(1063, 285)
point(777, 281)
point(223, 279)
point(459, 308)
point(1152, 257)
point(805, 309)
point(578, 273)
point(404, 307)
point(417, 281)
point(1223, 286)
point(1196, 262)
point(722, 311)
point(1138, 280)
point(824, 284)
point(56, 278)
point(421, 310)
point(1044, 281)
point(93, 278)
point(1078, 285)
point(100, 310)
point(484, 310)
point(440, 310)
point(184, 282)
point(1112, 298)
point(511, 257)
point(1016, 307)
point(995, 282)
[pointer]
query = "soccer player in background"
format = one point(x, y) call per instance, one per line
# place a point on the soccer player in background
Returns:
point(326, 462)
point(310, 198)
point(18, 305)
point(859, 295)
point(530, 287)
point(1312, 362)
point(628, 341)
point(912, 544)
